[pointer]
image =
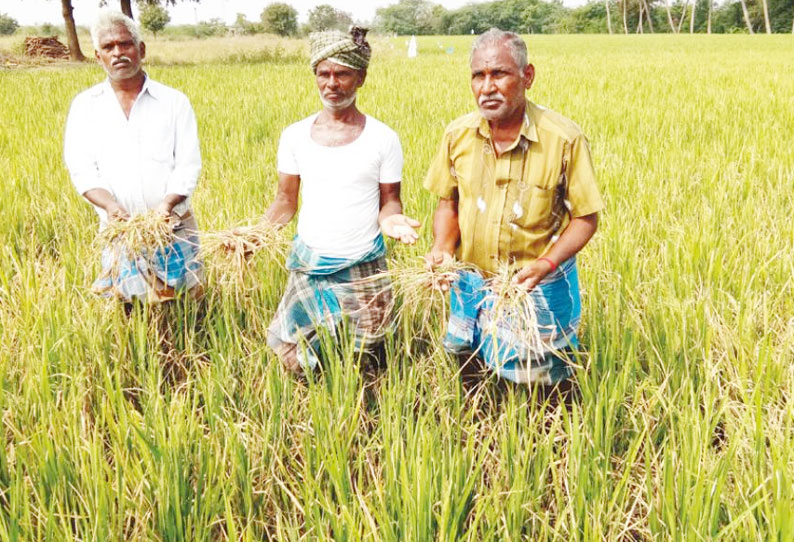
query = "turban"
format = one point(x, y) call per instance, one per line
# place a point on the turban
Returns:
point(351, 50)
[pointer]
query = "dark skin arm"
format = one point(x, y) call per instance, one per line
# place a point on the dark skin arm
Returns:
point(579, 231)
point(446, 233)
point(391, 220)
point(105, 200)
point(285, 204)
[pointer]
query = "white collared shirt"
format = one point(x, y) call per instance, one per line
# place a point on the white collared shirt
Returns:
point(139, 160)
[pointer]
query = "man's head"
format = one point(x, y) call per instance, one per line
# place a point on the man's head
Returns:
point(500, 74)
point(117, 45)
point(339, 62)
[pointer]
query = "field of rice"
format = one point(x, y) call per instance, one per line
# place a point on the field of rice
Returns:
point(685, 425)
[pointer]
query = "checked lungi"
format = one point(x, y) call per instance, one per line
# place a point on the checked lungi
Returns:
point(324, 292)
point(558, 309)
point(153, 278)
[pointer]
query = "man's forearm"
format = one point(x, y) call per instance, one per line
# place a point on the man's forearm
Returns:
point(280, 211)
point(446, 231)
point(579, 231)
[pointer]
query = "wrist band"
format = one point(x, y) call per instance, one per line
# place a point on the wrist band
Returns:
point(551, 263)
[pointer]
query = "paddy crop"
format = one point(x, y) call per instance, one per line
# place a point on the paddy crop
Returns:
point(115, 427)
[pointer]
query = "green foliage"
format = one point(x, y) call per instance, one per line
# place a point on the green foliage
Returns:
point(327, 17)
point(410, 17)
point(8, 25)
point(280, 18)
point(154, 17)
point(243, 26)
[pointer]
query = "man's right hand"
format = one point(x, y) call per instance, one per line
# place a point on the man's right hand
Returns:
point(436, 258)
point(116, 212)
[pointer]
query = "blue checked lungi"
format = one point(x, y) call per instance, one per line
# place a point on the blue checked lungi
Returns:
point(152, 277)
point(325, 292)
point(558, 309)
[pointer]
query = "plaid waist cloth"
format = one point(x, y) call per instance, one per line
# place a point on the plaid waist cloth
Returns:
point(153, 278)
point(325, 292)
point(500, 345)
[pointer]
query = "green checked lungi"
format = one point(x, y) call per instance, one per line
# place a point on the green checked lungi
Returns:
point(326, 293)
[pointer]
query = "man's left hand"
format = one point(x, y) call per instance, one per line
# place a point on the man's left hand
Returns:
point(164, 208)
point(398, 226)
point(532, 274)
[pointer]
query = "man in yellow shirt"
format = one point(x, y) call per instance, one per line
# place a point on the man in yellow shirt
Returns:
point(516, 187)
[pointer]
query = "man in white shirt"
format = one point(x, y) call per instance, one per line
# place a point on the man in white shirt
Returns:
point(347, 166)
point(131, 145)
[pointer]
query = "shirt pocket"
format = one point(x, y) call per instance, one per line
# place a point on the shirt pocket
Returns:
point(158, 142)
point(536, 212)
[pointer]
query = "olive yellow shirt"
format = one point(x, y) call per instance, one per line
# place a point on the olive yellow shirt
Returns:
point(512, 208)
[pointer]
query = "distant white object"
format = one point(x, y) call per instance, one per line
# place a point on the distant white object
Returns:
point(412, 47)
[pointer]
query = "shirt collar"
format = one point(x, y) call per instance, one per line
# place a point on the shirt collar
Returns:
point(149, 87)
point(528, 128)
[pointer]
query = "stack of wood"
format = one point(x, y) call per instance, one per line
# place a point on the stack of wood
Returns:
point(46, 47)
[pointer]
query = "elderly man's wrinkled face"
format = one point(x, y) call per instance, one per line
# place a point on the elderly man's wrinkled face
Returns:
point(498, 83)
point(337, 84)
point(119, 55)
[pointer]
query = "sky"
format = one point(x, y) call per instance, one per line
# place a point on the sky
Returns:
point(33, 12)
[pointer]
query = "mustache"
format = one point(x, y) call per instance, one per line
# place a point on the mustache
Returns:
point(121, 59)
point(492, 96)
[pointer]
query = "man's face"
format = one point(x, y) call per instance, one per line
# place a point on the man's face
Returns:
point(497, 82)
point(119, 55)
point(337, 84)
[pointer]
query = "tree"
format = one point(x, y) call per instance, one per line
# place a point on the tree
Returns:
point(279, 18)
point(327, 17)
point(747, 17)
point(411, 17)
point(8, 25)
point(154, 18)
point(71, 31)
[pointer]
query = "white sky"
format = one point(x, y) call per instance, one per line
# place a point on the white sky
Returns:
point(31, 12)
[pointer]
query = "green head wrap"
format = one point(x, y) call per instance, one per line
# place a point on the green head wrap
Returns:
point(351, 50)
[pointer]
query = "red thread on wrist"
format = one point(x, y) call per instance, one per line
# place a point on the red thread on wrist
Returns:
point(551, 263)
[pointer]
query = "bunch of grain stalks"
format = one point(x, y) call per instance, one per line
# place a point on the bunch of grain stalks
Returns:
point(141, 234)
point(512, 309)
point(229, 252)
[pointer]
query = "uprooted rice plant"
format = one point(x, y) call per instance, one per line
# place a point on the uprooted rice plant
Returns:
point(685, 425)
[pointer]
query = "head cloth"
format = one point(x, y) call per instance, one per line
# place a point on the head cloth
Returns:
point(351, 50)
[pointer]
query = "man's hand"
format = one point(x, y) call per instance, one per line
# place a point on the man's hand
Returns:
point(164, 208)
point(436, 258)
point(116, 212)
point(401, 227)
point(532, 274)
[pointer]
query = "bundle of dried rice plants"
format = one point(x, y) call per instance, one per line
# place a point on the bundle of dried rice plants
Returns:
point(140, 236)
point(513, 312)
point(421, 292)
point(229, 253)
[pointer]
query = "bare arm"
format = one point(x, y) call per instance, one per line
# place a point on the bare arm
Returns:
point(105, 200)
point(446, 231)
point(391, 220)
point(285, 204)
point(579, 231)
point(169, 202)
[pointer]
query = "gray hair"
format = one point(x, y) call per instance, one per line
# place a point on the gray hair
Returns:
point(109, 19)
point(495, 36)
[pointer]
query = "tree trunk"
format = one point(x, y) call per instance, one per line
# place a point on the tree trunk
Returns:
point(126, 8)
point(767, 24)
point(670, 16)
point(625, 24)
point(609, 19)
point(648, 15)
point(71, 32)
point(692, 18)
point(708, 27)
point(747, 18)
point(683, 16)
point(639, 21)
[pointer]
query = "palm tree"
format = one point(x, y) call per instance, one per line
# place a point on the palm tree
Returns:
point(766, 17)
point(708, 27)
point(670, 16)
point(747, 17)
point(692, 18)
point(609, 19)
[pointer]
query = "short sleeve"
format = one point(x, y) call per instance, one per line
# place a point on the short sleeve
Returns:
point(391, 167)
point(583, 194)
point(287, 161)
point(440, 178)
